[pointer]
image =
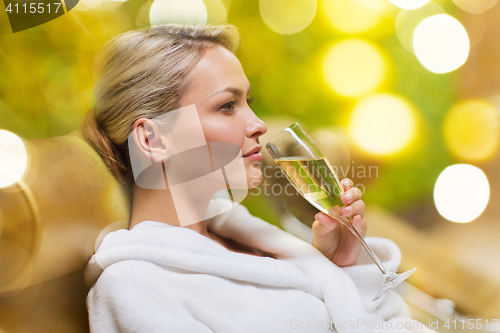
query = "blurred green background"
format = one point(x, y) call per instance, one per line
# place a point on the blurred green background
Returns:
point(46, 82)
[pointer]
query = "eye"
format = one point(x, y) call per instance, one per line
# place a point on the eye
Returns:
point(227, 106)
point(250, 100)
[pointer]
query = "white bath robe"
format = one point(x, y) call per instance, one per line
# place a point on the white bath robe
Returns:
point(161, 278)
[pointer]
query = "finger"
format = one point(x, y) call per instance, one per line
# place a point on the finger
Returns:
point(356, 208)
point(322, 230)
point(325, 225)
point(360, 224)
point(351, 195)
point(347, 184)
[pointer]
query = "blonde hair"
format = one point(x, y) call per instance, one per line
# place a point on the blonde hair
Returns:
point(142, 74)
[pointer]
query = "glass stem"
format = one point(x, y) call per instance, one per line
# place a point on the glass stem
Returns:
point(353, 229)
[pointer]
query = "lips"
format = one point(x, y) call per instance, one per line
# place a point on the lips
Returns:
point(253, 151)
point(254, 155)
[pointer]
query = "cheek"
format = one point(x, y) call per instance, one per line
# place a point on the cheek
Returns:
point(216, 130)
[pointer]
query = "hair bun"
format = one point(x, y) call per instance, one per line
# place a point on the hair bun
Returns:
point(97, 137)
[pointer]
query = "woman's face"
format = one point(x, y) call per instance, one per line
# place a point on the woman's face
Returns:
point(219, 89)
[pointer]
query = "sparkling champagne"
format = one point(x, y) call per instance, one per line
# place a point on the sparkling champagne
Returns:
point(315, 180)
point(312, 175)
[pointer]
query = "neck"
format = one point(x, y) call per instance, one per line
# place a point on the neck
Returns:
point(158, 205)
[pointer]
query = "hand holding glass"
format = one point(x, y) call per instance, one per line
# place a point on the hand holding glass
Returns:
point(313, 177)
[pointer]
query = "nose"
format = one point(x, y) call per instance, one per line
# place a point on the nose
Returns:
point(255, 127)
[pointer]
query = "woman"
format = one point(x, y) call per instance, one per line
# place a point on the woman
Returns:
point(232, 272)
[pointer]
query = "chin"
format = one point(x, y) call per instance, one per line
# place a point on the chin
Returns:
point(253, 180)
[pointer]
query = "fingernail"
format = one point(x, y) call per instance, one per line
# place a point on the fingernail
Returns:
point(346, 210)
point(347, 196)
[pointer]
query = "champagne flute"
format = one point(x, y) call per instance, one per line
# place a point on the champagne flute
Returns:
point(311, 174)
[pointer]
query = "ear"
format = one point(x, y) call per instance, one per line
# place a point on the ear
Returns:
point(149, 140)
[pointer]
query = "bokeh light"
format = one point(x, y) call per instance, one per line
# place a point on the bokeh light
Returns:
point(13, 158)
point(461, 193)
point(352, 16)
point(287, 17)
point(98, 8)
point(375, 4)
point(408, 20)
point(216, 12)
point(475, 6)
point(472, 130)
point(178, 11)
point(84, 5)
point(353, 68)
point(441, 43)
point(409, 4)
point(227, 4)
point(382, 124)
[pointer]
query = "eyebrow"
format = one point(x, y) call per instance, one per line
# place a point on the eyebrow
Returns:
point(235, 91)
